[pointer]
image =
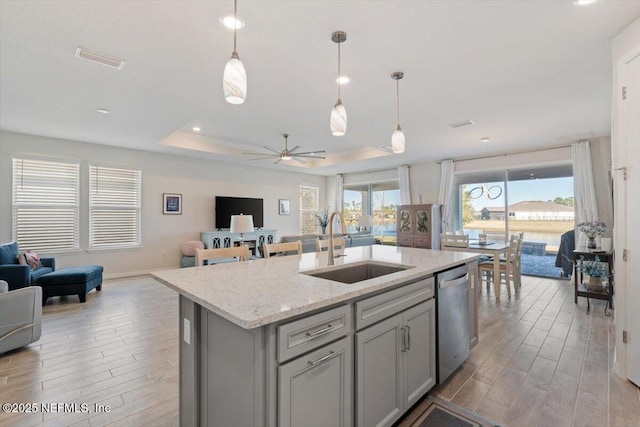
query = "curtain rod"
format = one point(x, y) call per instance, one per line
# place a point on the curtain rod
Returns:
point(464, 159)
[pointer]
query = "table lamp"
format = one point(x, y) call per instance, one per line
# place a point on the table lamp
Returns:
point(241, 224)
point(365, 222)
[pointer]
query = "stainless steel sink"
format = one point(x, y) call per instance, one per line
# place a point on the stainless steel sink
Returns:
point(354, 273)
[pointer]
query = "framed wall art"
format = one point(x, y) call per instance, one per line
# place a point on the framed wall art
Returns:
point(284, 206)
point(172, 204)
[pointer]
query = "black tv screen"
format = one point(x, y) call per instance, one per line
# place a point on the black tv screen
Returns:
point(227, 206)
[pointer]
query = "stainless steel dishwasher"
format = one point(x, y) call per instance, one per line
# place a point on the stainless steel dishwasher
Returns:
point(452, 299)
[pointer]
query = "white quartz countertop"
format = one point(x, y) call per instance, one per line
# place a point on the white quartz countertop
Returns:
point(263, 291)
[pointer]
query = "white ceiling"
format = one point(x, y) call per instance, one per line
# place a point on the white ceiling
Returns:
point(529, 73)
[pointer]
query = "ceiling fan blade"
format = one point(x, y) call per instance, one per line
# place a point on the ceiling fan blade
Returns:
point(271, 149)
point(294, 148)
point(298, 160)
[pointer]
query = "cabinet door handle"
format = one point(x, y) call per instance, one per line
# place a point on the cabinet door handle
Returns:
point(403, 346)
point(322, 359)
point(320, 331)
point(408, 337)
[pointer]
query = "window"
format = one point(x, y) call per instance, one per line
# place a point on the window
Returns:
point(309, 206)
point(377, 199)
point(114, 207)
point(45, 204)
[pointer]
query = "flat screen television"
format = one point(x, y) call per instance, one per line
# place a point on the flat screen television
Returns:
point(227, 206)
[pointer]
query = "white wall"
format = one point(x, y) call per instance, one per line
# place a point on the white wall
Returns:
point(601, 165)
point(199, 181)
point(425, 182)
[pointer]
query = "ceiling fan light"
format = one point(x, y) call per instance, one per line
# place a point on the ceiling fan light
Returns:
point(397, 140)
point(234, 82)
point(285, 157)
point(338, 119)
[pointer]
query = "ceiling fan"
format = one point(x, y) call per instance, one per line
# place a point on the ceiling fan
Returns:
point(287, 154)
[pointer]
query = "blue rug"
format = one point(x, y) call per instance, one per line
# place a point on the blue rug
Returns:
point(542, 266)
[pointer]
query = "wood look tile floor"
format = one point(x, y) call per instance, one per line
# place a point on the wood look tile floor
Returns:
point(541, 361)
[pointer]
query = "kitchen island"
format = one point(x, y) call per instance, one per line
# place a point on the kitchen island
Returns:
point(273, 342)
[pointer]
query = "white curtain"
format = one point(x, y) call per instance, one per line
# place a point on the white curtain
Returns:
point(339, 192)
point(446, 195)
point(405, 188)
point(584, 191)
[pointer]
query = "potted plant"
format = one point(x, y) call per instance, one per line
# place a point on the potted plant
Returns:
point(323, 219)
point(592, 229)
point(596, 270)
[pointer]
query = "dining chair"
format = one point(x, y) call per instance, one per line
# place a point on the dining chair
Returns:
point(240, 252)
point(454, 242)
point(279, 249)
point(507, 266)
point(322, 245)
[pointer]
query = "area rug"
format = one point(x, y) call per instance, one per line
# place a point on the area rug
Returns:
point(435, 412)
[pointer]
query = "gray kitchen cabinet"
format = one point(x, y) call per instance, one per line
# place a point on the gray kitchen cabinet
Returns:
point(420, 354)
point(379, 373)
point(316, 389)
point(395, 365)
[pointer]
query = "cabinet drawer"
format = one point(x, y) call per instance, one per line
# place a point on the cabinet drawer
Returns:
point(406, 241)
point(300, 336)
point(374, 309)
point(422, 242)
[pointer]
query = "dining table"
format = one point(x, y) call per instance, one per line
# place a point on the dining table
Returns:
point(494, 249)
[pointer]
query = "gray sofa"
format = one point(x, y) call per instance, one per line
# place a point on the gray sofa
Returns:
point(20, 316)
point(309, 240)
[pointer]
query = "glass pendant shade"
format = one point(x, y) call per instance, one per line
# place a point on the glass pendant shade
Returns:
point(338, 119)
point(234, 82)
point(397, 140)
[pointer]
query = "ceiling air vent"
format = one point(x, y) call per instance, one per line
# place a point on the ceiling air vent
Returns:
point(460, 124)
point(99, 58)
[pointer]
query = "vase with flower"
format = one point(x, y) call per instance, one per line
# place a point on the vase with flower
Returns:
point(596, 270)
point(592, 229)
point(323, 219)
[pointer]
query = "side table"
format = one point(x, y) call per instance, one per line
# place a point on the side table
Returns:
point(581, 254)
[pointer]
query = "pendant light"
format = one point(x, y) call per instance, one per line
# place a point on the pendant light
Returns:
point(338, 120)
point(234, 82)
point(397, 138)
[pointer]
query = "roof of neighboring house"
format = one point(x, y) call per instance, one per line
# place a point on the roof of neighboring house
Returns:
point(539, 206)
point(499, 209)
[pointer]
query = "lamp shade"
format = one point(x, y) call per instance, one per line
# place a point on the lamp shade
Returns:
point(234, 81)
point(397, 140)
point(241, 223)
point(365, 221)
point(338, 119)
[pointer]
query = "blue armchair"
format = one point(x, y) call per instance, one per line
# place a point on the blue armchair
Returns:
point(18, 275)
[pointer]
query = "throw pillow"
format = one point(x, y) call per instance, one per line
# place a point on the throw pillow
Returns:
point(31, 258)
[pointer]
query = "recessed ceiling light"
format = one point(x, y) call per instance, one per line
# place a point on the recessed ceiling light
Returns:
point(103, 111)
point(583, 2)
point(460, 124)
point(232, 22)
point(485, 139)
point(343, 80)
point(196, 129)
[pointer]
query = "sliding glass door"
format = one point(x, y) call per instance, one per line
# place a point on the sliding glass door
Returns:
point(537, 201)
point(376, 199)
